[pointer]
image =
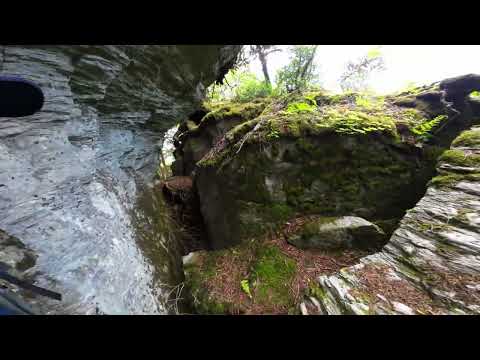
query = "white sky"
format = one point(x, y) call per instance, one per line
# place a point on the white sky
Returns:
point(422, 64)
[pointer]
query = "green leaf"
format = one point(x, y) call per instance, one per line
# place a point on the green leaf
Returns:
point(475, 94)
point(246, 288)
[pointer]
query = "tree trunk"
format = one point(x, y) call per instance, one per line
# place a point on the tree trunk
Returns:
point(308, 64)
point(263, 60)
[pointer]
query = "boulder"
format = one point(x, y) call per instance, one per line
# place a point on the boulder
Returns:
point(336, 159)
point(335, 233)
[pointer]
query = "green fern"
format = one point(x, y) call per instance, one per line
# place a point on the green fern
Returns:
point(423, 130)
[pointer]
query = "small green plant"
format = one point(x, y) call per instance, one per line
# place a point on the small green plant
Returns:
point(273, 133)
point(312, 98)
point(362, 102)
point(413, 116)
point(246, 288)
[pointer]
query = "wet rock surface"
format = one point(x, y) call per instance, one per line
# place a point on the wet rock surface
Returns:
point(429, 266)
point(74, 177)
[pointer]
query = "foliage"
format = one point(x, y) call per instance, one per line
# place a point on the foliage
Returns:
point(251, 87)
point(273, 133)
point(239, 85)
point(300, 72)
point(357, 73)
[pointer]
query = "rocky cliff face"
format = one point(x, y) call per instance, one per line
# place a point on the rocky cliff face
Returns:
point(74, 178)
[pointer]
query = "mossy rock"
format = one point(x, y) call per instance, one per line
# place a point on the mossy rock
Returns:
point(336, 233)
point(450, 180)
point(460, 158)
point(312, 153)
point(469, 138)
point(196, 137)
point(459, 163)
point(331, 175)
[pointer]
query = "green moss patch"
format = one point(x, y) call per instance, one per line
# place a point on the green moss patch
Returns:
point(244, 111)
point(271, 276)
point(460, 158)
point(353, 122)
point(452, 179)
point(469, 138)
point(299, 115)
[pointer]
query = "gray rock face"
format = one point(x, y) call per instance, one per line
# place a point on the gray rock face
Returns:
point(345, 232)
point(74, 178)
point(430, 265)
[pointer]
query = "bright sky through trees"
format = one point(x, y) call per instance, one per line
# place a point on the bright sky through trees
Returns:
point(421, 64)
